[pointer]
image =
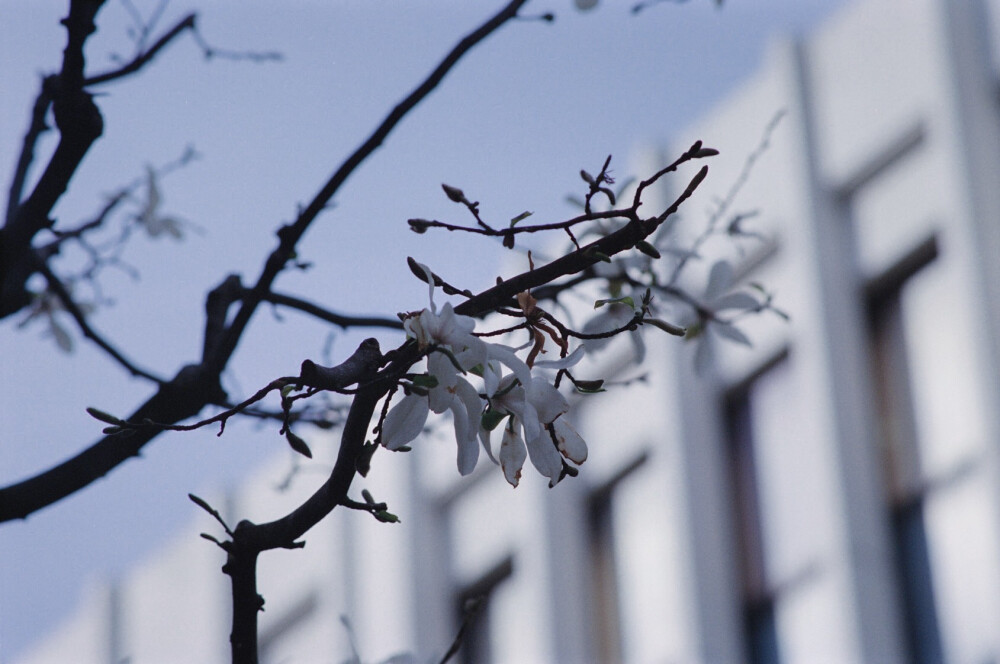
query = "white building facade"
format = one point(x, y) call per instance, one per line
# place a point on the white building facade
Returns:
point(831, 494)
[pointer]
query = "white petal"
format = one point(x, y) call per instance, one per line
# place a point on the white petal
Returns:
point(562, 363)
point(719, 280)
point(512, 454)
point(417, 327)
point(468, 395)
point(484, 439)
point(544, 456)
point(466, 411)
point(547, 401)
point(491, 378)
point(738, 300)
point(704, 354)
point(507, 357)
point(570, 443)
point(405, 421)
point(638, 346)
point(730, 331)
point(430, 283)
point(440, 397)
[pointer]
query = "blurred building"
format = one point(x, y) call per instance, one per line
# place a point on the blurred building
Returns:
point(831, 494)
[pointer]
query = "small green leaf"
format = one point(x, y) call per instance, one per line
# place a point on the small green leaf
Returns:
point(589, 386)
point(425, 380)
point(618, 300)
point(415, 389)
point(386, 517)
point(286, 390)
point(367, 495)
point(521, 217)
point(491, 418)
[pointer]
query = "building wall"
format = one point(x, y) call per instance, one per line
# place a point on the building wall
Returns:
point(830, 494)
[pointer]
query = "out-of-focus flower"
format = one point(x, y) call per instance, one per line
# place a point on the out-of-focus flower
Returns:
point(150, 217)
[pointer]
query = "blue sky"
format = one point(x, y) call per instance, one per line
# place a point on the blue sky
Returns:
point(512, 126)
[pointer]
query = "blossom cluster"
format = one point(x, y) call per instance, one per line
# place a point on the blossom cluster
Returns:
point(511, 391)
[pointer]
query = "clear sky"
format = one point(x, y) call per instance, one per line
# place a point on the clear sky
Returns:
point(512, 126)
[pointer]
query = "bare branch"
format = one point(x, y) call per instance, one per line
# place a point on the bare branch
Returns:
point(290, 235)
point(577, 261)
point(198, 385)
point(341, 320)
point(142, 59)
point(37, 127)
point(80, 124)
point(183, 397)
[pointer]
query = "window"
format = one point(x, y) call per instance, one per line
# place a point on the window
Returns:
point(905, 489)
point(606, 615)
point(758, 592)
point(472, 604)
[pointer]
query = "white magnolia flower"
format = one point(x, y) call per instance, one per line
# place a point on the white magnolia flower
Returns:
point(536, 409)
point(458, 351)
point(531, 402)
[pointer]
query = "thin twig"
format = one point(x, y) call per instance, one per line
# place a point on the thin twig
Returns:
point(145, 57)
point(290, 235)
point(70, 305)
point(341, 320)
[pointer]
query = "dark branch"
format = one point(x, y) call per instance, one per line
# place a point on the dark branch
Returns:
point(137, 63)
point(177, 400)
point(289, 236)
point(578, 261)
point(37, 127)
point(198, 385)
point(70, 305)
point(80, 124)
point(340, 320)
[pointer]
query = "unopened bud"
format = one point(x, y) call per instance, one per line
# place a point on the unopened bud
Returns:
point(453, 193)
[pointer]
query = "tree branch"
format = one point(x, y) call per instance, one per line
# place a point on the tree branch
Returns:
point(37, 127)
point(289, 236)
point(578, 261)
point(142, 59)
point(70, 305)
point(341, 320)
point(179, 399)
point(251, 539)
point(197, 385)
point(80, 124)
